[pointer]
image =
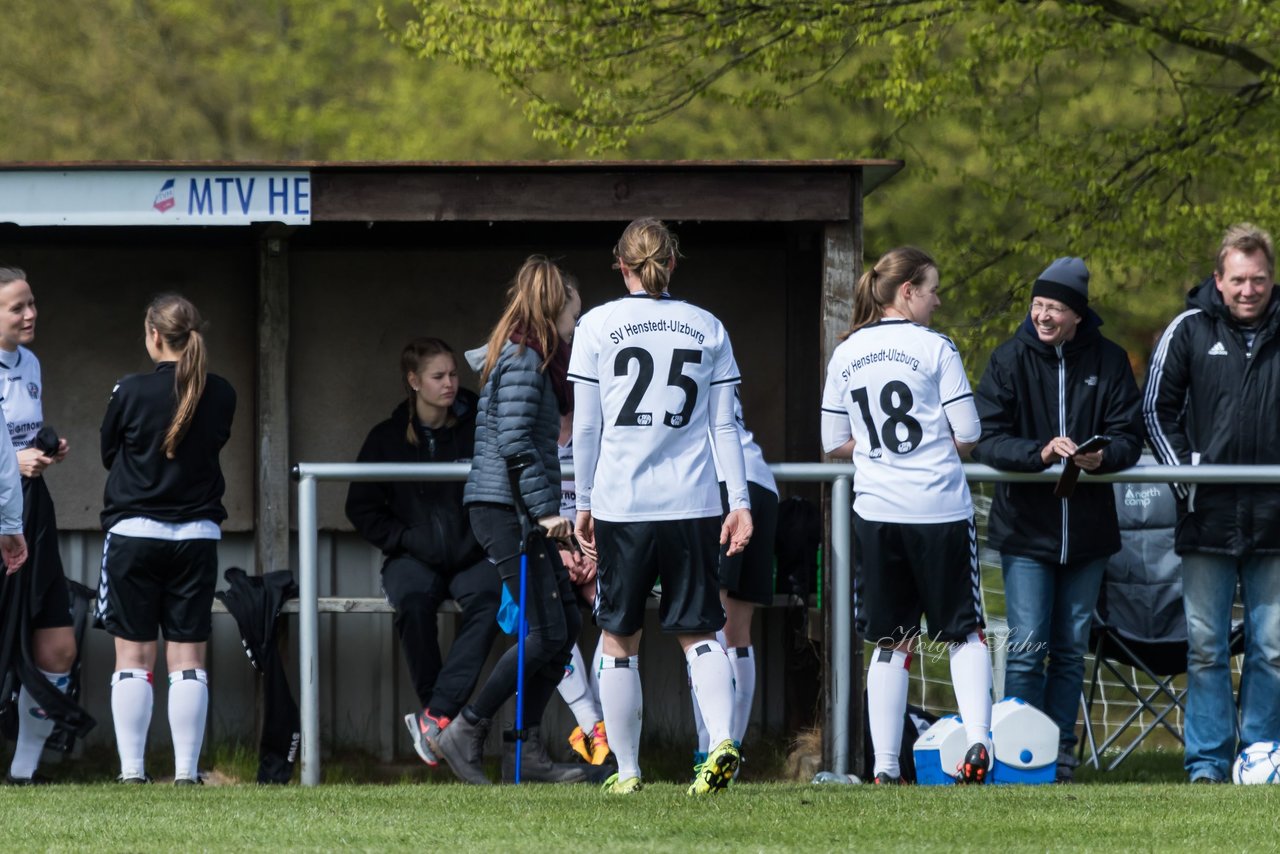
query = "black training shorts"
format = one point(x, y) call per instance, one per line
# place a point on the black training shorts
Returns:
point(904, 570)
point(748, 575)
point(149, 584)
point(633, 555)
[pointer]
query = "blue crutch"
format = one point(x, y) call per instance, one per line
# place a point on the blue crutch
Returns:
point(516, 464)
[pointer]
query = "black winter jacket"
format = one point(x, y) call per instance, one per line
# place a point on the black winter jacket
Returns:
point(1207, 402)
point(1032, 392)
point(425, 520)
point(518, 413)
point(141, 481)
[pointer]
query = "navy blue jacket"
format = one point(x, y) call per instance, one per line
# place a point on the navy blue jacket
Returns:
point(1032, 392)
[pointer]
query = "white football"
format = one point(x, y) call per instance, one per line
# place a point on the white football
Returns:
point(1257, 763)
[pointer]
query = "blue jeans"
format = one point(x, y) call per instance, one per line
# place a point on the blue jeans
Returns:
point(1049, 607)
point(1208, 589)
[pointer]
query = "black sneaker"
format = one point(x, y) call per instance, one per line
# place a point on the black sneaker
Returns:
point(188, 781)
point(975, 765)
point(886, 779)
point(145, 778)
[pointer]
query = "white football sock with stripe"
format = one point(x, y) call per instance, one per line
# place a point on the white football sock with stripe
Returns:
point(188, 708)
point(34, 728)
point(131, 700)
point(971, 681)
point(575, 690)
point(743, 661)
point(712, 679)
point(887, 679)
point(623, 703)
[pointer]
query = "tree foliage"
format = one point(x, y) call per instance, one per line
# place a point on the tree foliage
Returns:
point(236, 80)
point(1128, 131)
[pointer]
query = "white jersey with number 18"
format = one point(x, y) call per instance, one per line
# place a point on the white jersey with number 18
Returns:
point(655, 361)
point(894, 387)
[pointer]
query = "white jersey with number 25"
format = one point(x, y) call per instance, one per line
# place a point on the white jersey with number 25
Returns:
point(899, 390)
point(655, 362)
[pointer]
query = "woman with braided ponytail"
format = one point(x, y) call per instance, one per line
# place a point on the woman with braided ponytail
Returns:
point(654, 381)
point(161, 438)
point(898, 403)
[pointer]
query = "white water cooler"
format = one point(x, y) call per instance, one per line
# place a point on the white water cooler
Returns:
point(939, 751)
point(1026, 743)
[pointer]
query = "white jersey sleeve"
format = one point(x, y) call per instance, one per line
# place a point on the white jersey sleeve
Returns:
point(758, 471)
point(837, 429)
point(10, 486)
point(568, 493)
point(727, 445)
point(957, 397)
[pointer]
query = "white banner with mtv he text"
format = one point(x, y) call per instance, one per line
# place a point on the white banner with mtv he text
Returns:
point(109, 197)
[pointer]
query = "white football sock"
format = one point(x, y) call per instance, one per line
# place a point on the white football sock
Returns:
point(623, 703)
point(131, 699)
point(34, 728)
point(743, 661)
point(593, 672)
point(712, 679)
point(887, 679)
point(971, 682)
point(188, 708)
point(575, 690)
point(699, 724)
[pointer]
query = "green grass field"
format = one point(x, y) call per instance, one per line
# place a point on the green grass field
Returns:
point(750, 817)
point(1142, 805)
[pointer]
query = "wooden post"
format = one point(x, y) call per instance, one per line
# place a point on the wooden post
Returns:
point(272, 495)
point(841, 267)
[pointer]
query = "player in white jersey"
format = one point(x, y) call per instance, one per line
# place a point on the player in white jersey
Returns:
point(53, 642)
point(898, 402)
point(654, 382)
point(746, 580)
point(579, 689)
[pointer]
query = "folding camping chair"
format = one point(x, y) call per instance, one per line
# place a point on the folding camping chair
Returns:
point(1139, 623)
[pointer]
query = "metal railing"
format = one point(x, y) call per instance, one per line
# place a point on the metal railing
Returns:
point(839, 475)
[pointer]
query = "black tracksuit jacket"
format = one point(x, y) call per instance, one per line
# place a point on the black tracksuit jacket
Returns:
point(1207, 397)
point(141, 481)
point(425, 520)
point(1032, 392)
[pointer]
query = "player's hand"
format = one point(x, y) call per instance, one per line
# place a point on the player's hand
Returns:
point(572, 561)
point(736, 530)
point(1058, 447)
point(32, 463)
point(1089, 461)
point(13, 548)
point(588, 573)
point(61, 454)
point(555, 527)
point(584, 531)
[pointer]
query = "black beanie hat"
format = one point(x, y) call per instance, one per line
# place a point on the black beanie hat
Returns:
point(1067, 281)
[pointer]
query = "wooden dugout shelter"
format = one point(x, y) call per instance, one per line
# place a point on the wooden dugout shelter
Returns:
point(313, 275)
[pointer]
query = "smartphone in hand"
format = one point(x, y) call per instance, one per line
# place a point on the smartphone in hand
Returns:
point(1093, 443)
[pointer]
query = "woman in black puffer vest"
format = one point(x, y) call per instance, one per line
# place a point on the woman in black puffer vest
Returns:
point(526, 389)
point(423, 530)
